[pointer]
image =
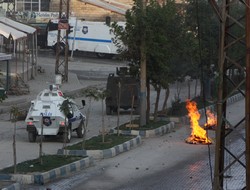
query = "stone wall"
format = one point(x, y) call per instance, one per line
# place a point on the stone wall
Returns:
point(89, 12)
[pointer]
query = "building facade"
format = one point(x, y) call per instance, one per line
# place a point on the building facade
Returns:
point(42, 10)
point(91, 10)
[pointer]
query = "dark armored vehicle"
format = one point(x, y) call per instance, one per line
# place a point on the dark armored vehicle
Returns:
point(122, 91)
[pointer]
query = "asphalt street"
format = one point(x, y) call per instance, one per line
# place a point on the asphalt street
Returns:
point(165, 162)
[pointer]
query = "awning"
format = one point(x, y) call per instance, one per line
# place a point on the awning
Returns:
point(5, 57)
point(118, 4)
point(17, 25)
point(6, 31)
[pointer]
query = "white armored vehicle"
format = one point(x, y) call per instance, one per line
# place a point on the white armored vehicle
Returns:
point(89, 36)
point(45, 116)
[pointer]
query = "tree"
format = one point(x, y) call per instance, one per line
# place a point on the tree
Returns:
point(202, 23)
point(41, 142)
point(65, 108)
point(96, 94)
point(131, 43)
point(14, 115)
point(102, 94)
point(91, 93)
point(164, 41)
point(162, 26)
point(119, 106)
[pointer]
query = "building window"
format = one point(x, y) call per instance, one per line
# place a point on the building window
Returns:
point(44, 6)
point(32, 5)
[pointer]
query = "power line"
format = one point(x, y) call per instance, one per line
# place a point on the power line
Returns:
point(202, 79)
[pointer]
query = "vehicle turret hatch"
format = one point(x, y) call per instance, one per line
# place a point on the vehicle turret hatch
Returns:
point(46, 106)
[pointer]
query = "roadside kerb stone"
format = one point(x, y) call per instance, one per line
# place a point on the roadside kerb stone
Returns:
point(107, 153)
point(63, 171)
point(45, 177)
point(148, 133)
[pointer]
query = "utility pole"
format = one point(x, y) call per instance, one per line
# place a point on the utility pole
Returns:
point(143, 71)
point(247, 95)
point(62, 46)
point(234, 34)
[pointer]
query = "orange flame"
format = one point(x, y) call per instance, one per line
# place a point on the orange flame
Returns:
point(198, 134)
point(211, 120)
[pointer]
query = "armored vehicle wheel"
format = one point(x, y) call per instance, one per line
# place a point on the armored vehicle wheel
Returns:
point(105, 55)
point(80, 130)
point(32, 136)
point(67, 136)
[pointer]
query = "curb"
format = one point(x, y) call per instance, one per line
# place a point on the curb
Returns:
point(42, 178)
point(148, 133)
point(107, 153)
point(62, 171)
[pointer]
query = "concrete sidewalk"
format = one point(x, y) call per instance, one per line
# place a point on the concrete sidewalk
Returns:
point(42, 81)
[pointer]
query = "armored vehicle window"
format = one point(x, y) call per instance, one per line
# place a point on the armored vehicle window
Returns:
point(54, 94)
point(46, 94)
point(46, 106)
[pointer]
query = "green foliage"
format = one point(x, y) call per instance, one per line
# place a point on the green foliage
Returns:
point(180, 40)
point(102, 94)
point(49, 162)
point(91, 93)
point(14, 111)
point(128, 39)
point(165, 32)
point(178, 107)
point(203, 24)
point(95, 93)
point(96, 143)
point(64, 107)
